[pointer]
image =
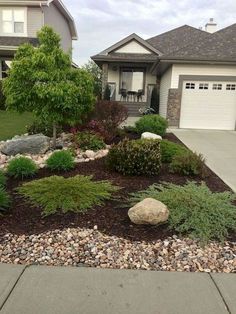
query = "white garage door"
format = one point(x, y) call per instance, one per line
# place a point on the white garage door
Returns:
point(208, 105)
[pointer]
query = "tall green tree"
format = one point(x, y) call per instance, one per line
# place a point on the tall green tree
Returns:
point(41, 80)
point(92, 68)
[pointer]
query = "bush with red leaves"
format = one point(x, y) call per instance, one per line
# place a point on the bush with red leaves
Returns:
point(107, 117)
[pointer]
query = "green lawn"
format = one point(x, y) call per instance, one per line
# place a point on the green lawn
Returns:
point(12, 123)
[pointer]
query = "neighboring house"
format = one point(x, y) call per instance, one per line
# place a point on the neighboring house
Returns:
point(20, 20)
point(195, 72)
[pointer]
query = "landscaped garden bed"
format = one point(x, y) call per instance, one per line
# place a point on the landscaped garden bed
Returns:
point(104, 236)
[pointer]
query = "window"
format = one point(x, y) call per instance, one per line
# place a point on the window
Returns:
point(132, 79)
point(203, 86)
point(230, 86)
point(217, 86)
point(6, 65)
point(13, 21)
point(190, 86)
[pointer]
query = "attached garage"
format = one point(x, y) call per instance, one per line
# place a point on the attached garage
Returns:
point(208, 105)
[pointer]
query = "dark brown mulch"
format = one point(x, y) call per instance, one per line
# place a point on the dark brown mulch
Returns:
point(111, 218)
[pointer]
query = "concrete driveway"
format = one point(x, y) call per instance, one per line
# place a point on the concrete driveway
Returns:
point(218, 147)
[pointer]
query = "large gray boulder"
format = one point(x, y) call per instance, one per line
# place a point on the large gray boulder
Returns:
point(30, 144)
point(149, 212)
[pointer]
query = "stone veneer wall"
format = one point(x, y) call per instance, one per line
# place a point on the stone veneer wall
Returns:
point(173, 107)
point(104, 77)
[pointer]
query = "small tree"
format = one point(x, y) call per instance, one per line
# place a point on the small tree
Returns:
point(155, 100)
point(42, 80)
point(92, 68)
point(107, 93)
point(2, 98)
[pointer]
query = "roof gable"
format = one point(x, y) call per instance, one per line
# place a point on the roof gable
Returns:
point(127, 40)
point(132, 47)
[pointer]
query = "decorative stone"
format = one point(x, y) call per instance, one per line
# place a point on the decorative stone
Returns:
point(90, 153)
point(148, 212)
point(32, 144)
point(152, 136)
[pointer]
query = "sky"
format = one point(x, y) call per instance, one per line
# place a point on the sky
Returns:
point(101, 23)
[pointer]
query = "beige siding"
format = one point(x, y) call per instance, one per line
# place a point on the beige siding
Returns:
point(187, 69)
point(133, 47)
point(54, 18)
point(35, 21)
point(165, 85)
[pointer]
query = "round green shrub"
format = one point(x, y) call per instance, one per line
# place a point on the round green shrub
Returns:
point(152, 123)
point(169, 150)
point(88, 140)
point(2, 179)
point(4, 200)
point(136, 157)
point(189, 163)
point(60, 161)
point(21, 167)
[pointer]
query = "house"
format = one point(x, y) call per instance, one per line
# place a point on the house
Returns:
point(20, 20)
point(193, 69)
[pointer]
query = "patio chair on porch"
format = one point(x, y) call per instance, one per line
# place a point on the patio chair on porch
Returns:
point(140, 95)
point(123, 94)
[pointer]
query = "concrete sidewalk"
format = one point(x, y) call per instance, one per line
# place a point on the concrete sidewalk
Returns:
point(67, 290)
point(218, 147)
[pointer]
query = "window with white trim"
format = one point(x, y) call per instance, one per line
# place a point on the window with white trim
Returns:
point(14, 21)
point(230, 86)
point(217, 86)
point(190, 86)
point(203, 86)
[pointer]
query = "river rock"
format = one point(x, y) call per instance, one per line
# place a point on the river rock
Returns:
point(31, 144)
point(149, 212)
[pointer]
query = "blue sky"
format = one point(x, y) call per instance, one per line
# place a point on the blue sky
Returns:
point(101, 23)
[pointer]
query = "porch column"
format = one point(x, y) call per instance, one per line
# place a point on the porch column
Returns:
point(104, 77)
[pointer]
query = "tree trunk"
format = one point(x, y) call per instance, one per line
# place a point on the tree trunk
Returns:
point(54, 138)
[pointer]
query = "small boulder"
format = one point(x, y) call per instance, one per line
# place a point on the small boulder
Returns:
point(151, 136)
point(148, 212)
point(89, 153)
point(31, 144)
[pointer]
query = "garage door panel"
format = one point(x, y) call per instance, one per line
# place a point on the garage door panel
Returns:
point(208, 109)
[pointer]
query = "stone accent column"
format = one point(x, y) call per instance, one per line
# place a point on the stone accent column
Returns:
point(173, 107)
point(104, 77)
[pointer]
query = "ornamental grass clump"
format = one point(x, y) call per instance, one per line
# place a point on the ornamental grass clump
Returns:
point(21, 168)
point(4, 200)
point(61, 161)
point(57, 194)
point(194, 210)
point(2, 179)
point(136, 157)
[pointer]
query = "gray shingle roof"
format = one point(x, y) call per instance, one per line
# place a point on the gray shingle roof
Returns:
point(16, 41)
point(185, 43)
point(177, 38)
point(219, 46)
